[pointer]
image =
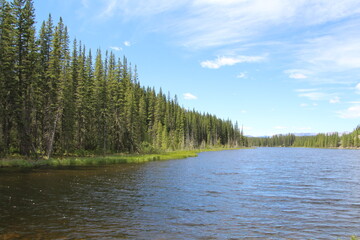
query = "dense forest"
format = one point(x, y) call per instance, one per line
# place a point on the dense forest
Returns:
point(60, 100)
point(330, 140)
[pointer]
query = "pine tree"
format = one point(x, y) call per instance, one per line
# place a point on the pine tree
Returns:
point(80, 96)
point(69, 111)
point(101, 91)
point(56, 74)
point(25, 72)
point(45, 48)
point(7, 77)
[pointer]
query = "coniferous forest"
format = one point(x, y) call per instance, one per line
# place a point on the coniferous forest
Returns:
point(330, 140)
point(60, 98)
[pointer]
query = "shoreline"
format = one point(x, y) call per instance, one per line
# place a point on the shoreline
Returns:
point(119, 158)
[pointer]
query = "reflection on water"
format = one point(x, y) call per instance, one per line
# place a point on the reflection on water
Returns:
point(271, 193)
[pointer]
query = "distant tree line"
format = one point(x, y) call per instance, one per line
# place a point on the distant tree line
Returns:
point(330, 140)
point(60, 100)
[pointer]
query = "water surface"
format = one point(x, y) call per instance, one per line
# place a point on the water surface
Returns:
point(264, 193)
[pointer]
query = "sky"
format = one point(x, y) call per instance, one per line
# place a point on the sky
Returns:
point(274, 66)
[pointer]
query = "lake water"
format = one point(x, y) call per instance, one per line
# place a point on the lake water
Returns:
point(264, 193)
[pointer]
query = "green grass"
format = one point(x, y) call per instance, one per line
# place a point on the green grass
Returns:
point(17, 162)
point(353, 238)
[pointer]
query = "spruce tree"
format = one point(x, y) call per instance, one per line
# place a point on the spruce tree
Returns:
point(7, 77)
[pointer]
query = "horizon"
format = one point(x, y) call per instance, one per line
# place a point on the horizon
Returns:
point(275, 67)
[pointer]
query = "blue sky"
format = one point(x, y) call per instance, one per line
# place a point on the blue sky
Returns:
point(275, 66)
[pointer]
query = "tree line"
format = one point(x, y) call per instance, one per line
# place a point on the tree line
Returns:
point(57, 99)
point(329, 140)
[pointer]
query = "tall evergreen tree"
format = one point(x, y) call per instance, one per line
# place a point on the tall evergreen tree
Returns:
point(56, 74)
point(25, 72)
point(7, 76)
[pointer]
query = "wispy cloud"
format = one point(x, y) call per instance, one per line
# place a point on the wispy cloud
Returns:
point(208, 23)
point(140, 8)
point(241, 75)
point(127, 43)
point(308, 105)
point(189, 96)
point(229, 61)
point(319, 94)
point(216, 23)
point(351, 112)
point(332, 53)
point(205, 23)
point(336, 99)
point(109, 9)
point(297, 76)
point(301, 90)
point(298, 73)
point(116, 48)
point(315, 96)
point(357, 88)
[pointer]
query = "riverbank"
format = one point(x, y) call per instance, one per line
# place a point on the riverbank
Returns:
point(14, 162)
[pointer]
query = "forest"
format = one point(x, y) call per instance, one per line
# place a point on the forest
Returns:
point(60, 100)
point(329, 140)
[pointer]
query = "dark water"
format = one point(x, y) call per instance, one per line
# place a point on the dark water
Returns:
point(265, 193)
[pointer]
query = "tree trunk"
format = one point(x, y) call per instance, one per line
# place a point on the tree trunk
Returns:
point(51, 139)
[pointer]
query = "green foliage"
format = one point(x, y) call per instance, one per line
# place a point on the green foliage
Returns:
point(330, 140)
point(56, 102)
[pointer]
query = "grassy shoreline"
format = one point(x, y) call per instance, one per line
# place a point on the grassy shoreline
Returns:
point(14, 162)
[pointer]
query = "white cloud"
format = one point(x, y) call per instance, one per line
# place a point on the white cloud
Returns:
point(127, 43)
point(297, 76)
point(116, 48)
point(308, 105)
point(229, 61)
point(334, 100)
point(241, 75)
point(306, 90)
point(206, 23)
point(334, 53)
point(298, 73)
point(189, 96)
point(318, 94)
point(139, 8)
point(243, 111)
point(216, 22)
point(315, 96)
point(351, 112)
point(357, 88)
point(109, 9)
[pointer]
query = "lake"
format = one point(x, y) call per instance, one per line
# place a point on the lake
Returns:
point(263, 193)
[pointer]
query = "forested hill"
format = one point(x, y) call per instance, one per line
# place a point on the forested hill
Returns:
point(57, 99)
point(330, 140)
